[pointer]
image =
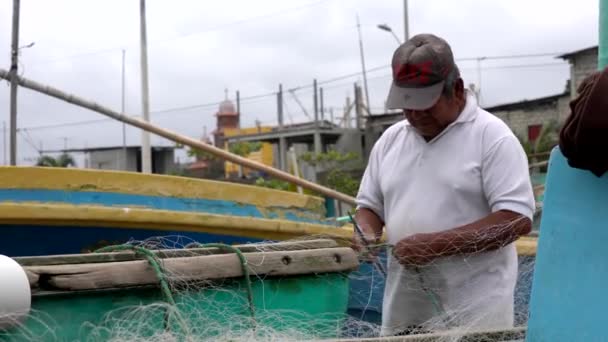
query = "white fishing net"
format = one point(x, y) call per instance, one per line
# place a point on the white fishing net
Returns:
point(220, 310)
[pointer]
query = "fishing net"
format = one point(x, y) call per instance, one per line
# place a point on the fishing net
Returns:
point(256, 308)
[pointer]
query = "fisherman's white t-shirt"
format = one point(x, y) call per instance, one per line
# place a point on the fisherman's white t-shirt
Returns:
point(476, 166)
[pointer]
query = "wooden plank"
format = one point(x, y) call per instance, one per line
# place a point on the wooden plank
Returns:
point(190, 269)
point(170, 253)
point(539, 164)
point(515, 334)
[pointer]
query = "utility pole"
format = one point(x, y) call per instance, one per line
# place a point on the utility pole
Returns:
point(146, 162)
point(238, 109)
point(358, 109)
point(282, 140)
point(4, 147)
point(479, 59)
point(122, 111)
point(322, 104)
point(406, 24)
point(317, 134)
point(368, 106)
point(14, 84)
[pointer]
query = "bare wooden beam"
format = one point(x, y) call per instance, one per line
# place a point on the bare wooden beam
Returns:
point(178, 138)
point(77, 277)
point(511, 335)
point(539, 164)
point(64, 259)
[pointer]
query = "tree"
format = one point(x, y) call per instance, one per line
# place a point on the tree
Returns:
point(64, 160)
point(337, 166)
point(244, 148)
point(547, 139)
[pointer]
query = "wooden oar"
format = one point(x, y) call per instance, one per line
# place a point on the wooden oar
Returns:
point(146, 126)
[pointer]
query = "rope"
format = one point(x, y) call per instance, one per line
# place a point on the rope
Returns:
point(162, 278)
point(432, 296)
point(244, 267)
point(154, 262)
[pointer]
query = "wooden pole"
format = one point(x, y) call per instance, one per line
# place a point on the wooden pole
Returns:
point(13, 80)
point(178, 138)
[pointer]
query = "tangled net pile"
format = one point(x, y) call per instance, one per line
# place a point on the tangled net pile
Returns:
point(226, 310)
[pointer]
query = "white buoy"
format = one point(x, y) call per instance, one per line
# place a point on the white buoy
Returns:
point(15, 294)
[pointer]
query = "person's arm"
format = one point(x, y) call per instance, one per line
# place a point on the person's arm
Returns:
point(490, 233)
point(509, 193)
point(371, 226)
point(370, 202)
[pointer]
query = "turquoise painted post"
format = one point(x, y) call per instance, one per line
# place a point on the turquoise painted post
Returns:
point(330, 207)
point(603, 35)
point(569, 300)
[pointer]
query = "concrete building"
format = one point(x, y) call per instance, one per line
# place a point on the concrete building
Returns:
point(524, 117)
point(582, 63)
point(228, 118)
point(129, 159)
point(306, 137)
point(527, 117)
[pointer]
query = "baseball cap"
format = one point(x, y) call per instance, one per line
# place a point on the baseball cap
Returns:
point(420, 67)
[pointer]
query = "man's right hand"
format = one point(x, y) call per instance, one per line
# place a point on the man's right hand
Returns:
point(360, 246)
point(370, 226)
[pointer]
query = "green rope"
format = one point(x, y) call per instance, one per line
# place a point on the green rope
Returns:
point(244, 267)
point(160, 274)
point(154, 262)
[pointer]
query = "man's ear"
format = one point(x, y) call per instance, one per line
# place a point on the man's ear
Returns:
point(459, 89)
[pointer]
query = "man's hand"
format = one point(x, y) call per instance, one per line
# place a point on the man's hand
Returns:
point(371, 227)
point(360, 246)
point(487, 234)
point(415, 250)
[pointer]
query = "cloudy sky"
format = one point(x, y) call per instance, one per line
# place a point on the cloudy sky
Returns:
point(199, 48)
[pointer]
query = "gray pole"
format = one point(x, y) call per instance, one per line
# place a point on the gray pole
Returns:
point(122, 111)
point(322, 110)
point(4, 145)
point(406, 23)
point(282, 141)
point(317, 134)
point(479, 59)
point(363, 66)
point(146, 163)
point(358, 111)
point(238, 108)
point(14, 84)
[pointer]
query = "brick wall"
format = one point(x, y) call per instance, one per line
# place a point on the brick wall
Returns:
point(582, 65)
point(519, 119)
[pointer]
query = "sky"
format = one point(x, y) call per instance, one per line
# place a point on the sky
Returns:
point(198, 49)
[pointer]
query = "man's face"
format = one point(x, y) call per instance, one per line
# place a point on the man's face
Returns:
point(432, 121)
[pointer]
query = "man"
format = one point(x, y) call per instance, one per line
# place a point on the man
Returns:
point(451, 185)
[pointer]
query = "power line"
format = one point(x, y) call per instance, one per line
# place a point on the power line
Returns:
point(187, 35)
point(331, 80)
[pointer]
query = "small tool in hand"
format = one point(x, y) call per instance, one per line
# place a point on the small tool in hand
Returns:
point(377, 264)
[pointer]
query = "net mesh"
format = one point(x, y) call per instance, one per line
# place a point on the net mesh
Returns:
point(221, 310)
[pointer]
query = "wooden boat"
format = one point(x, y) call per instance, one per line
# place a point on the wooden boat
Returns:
point(60, 210)
point(86, 296)
point(47, 211)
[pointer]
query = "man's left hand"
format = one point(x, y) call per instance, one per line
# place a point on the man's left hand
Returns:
point(415, 250)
